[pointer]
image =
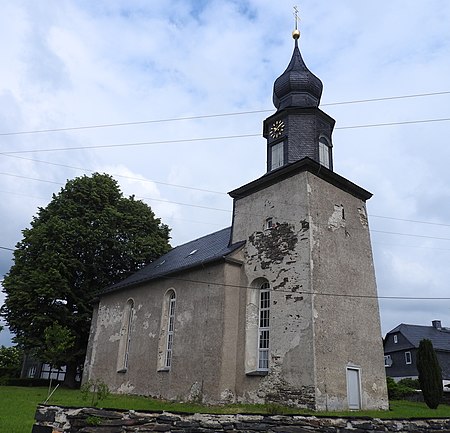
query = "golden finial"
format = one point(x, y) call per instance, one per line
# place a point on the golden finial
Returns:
point(296, 32)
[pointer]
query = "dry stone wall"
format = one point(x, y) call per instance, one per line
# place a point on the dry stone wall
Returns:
point(53, 419)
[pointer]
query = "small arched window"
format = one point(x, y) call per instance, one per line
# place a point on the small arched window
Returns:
point(324, 152)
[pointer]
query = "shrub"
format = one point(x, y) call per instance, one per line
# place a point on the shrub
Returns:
point(400, 390)
point(97, 389)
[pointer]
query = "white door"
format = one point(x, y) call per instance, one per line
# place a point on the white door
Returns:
point(353, 388)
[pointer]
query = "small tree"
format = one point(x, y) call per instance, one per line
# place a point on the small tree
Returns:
point(10, 361)
point(430, 374)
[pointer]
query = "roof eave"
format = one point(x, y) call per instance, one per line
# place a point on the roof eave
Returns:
point(305, 164)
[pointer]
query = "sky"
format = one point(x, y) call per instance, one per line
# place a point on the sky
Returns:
point(148, 91)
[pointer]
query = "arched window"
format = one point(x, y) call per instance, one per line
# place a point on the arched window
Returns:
point(324, 152)
point(166, 333)
point(263, 327)
point(125, 337)
point(170, 328)
point(257, 328)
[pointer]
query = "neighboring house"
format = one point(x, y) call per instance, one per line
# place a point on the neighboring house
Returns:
point(401, 345)
point(33, 369)
point(280, 307)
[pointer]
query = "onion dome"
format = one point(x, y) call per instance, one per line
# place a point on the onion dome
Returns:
point(297, 86)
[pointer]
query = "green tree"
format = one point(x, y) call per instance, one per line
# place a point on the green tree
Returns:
point(10, 361)
point(430, 374)
point(88, 237)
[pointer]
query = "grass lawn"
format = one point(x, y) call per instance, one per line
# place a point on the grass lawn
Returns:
point(18, 406)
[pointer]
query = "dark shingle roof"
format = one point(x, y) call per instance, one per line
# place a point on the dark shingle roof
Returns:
point(206, 249)
point(414, 333)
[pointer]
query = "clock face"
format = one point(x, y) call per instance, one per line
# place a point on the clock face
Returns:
point(276, 129)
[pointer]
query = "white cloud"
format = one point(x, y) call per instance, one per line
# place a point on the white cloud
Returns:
point(75, 64)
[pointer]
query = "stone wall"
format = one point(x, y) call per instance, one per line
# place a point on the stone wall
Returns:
point(52, 419)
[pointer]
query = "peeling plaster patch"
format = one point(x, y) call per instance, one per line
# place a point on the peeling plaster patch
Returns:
point(109, 316)
point(152, 335)
point(227, 396)
point(145, 325)
point(336, 220)
point(114, 337)
point(315, 314)
point(274, 245)
point(126, 388)
point(184, 317)
point(252, 314)
point(363, 217)
point(195, 393)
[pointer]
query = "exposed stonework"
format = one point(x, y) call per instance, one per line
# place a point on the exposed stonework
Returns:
point(53, 419)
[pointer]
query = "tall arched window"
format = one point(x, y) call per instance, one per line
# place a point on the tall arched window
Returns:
point(257, 328)
point(170, 328)
point(125, 337)
point(166, 333)
point(263, 327)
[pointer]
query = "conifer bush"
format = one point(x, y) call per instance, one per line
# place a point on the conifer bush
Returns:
point(430, 374)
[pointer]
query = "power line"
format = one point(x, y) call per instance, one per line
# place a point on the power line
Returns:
point(300, 293)
point(208, 116)
point(192, 188)
point(115, 174)
point(225, 137)
point(229, 211)
point(139, 143)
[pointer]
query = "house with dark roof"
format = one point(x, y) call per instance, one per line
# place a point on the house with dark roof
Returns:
point(269, 309)
point(401, 345)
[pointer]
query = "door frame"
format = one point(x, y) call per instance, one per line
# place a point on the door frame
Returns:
point(358, 371)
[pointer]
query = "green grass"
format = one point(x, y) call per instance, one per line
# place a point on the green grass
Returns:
point(18, 406)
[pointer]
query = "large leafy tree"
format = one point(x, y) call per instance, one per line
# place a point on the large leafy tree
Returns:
point(88, 237)
point(430, 374)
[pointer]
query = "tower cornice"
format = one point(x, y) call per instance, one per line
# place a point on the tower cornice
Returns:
point(305, 164)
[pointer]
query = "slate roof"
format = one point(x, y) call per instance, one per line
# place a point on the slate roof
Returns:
point(414, 333)
point(210, 248)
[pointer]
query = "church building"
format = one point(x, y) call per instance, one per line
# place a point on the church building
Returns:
point(281, 307)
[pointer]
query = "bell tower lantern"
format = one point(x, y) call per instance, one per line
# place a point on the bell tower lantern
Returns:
point(299, 128)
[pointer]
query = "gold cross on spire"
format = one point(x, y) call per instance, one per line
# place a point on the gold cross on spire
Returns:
point(296, 17)
point(296, 32)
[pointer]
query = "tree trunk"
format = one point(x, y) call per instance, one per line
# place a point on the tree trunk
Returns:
point(71, 372)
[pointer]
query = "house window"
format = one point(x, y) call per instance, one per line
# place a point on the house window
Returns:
point(263, 329)
point(387, 361)
point(170, 329)
point(47, 372)
point(395, 339)
point(269, 223)
point(277, 155)
point(408, 358)
point(125, 337)
point(324, 152)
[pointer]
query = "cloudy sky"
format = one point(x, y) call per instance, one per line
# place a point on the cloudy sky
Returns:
point(181, 76)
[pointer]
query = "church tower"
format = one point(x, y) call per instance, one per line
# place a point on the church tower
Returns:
point(311, 321)
point(298, 129)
